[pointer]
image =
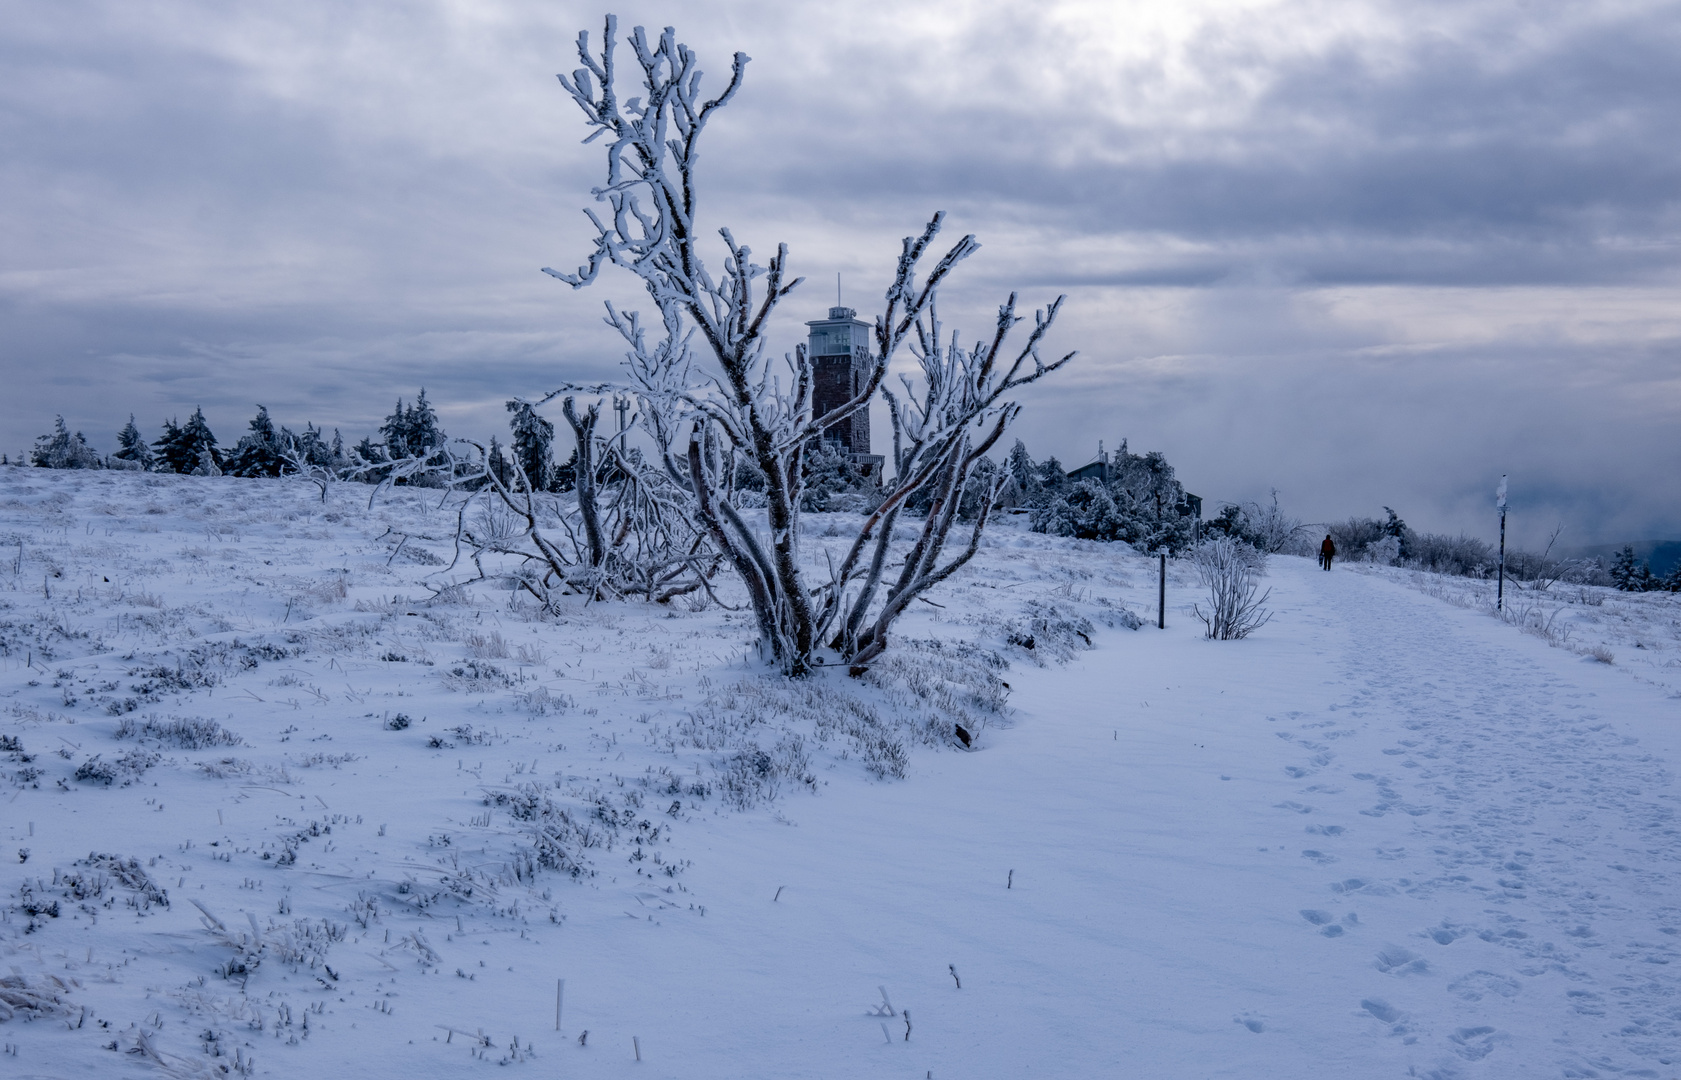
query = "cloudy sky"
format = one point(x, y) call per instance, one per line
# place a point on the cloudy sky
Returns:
point(1368, 254)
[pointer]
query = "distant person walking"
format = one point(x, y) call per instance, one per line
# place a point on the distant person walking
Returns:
point(1326, 551)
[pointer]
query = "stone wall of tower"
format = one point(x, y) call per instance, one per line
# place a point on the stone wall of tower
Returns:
point(837, 379)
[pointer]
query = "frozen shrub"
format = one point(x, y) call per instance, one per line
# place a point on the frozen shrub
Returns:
point(1462, 555)
point(1228, 569)
point(753, 775)
point(558, 838)
point(491, 646)
point(124, 769)
point(188, 733)
point(1049, 631)
point(226, 768)
point(541, 702)
point(476, 677)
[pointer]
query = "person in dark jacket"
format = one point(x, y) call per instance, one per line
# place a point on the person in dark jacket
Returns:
point(1326, 551)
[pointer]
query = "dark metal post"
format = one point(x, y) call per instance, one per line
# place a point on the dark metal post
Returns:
point(1500, 586)
point(1161, 597)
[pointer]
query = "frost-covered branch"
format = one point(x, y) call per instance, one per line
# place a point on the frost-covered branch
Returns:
point(749, 403)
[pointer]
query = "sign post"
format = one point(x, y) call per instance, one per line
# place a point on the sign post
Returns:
point(1161, 595)
point(1500, 587)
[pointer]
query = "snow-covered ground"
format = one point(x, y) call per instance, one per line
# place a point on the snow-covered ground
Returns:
point(1386, 836)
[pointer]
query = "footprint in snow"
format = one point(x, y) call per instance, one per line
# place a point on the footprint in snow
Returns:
point(1475, 1043)
point(1479, 984)
point(1381, 1009)
point(1395, 960)
point(1251, 1023)
point(1327, 922)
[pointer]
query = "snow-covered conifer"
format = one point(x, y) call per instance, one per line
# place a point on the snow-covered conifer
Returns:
point(180, 447)
point(132, 445)
point(1023, 474)
point(533, 442)
point(261, 452)
point(62, 450)
point(1628, 572)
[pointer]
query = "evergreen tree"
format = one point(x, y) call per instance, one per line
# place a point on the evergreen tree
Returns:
point(1672, 581)
point(828, 471)
point(62, 450)
point(1151, 499)
point(1053, 478)
point(976, 489)
point(424, 432)
point(369, 452)
point(1233, 522)
point(395, 431)
point(180, 447)
point(498, 464)
point(259, 453)
point(1087, 512)
point(1143, 504)
point(1628, 573)
point(197, 436)
point(1398, 529)
point(168, 457)
point(532, 447)
point(411, 431)
point(1023, 474)
point(132, 445)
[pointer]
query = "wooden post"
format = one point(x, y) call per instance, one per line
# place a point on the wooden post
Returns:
point(1161, 597)
point(1500, 588)
point(559, 993)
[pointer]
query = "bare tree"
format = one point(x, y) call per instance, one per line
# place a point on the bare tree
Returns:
point(1275, 532)
point(742, 406)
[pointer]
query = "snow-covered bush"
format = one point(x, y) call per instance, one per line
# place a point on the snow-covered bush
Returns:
point(124, 769)
point(1464, 556)
point(188, 733)
point(1229, 569)
point(1384, 552)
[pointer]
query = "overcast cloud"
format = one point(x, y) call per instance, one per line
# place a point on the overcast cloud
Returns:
point(1367, 254)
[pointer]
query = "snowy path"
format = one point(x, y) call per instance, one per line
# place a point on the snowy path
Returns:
point(1386, 837)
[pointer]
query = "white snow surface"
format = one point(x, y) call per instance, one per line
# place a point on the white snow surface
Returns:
point(1388, 835)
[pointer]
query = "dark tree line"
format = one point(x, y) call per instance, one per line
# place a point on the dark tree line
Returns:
point(265, 450)
point(1630, 573)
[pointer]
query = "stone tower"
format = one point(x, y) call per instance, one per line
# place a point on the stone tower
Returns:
point(840, 362)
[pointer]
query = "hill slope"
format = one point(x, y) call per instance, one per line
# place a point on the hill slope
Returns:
point(1385, 836)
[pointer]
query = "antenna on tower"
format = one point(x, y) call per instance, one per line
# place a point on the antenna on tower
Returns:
point(837, 290)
